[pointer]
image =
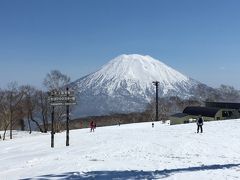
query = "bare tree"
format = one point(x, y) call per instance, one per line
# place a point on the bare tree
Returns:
point(11, 107)
point(55, 80)
point(14, 96)
point(4, 113)
point(44, 108)
point(36, 108)
point(2, 94)
point(151, 110)
point(229, 93)
point(28, 104)
point(31, 106)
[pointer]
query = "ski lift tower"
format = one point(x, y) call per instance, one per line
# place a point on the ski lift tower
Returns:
point(156, 83)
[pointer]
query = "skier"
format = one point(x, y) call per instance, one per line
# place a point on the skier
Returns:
point(92, 126)
point(199, 124)
point(152, 125)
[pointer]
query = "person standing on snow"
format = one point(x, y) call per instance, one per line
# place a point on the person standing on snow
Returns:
point(199, 124)
point(92, 126)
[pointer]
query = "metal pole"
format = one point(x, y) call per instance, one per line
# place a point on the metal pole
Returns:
point(52, 132)
point(156, 102)
point(156, 83)
point(67, 123)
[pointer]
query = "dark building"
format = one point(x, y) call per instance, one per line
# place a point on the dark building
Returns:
point(224, 105)
point(212, 111)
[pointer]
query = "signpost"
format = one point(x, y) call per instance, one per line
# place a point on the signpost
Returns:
point(52, 131)
point(61, 98)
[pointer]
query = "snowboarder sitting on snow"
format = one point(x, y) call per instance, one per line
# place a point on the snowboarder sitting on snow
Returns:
point(199, 124)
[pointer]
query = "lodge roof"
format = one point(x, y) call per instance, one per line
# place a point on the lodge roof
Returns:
point(225, 105)
point(204, 111)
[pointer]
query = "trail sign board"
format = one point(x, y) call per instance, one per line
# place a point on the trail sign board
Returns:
point(63, 103)
point(61, 93)
point(61, 98)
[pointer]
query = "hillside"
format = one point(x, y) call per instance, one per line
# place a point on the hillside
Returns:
point(124, 85)
point(134, 151)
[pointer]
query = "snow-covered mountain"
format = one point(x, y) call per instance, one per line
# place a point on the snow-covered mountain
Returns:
point(125, 85)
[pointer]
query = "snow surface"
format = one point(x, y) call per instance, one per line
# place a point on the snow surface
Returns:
point(134, 151)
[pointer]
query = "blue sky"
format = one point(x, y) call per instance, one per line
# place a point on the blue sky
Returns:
point(200, 38)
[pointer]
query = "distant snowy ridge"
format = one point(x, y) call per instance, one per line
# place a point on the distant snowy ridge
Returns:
point(125, 85)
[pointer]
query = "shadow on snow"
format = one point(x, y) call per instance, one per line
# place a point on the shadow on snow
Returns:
point(104, 175)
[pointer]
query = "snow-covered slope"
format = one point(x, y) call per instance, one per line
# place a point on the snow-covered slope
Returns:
point(125, 84)
point(134, 151)
point(137, 72)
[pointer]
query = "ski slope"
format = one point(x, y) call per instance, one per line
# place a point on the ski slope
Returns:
point(134, 151)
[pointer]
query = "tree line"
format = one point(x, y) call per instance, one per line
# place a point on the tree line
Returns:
point(25, 102)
